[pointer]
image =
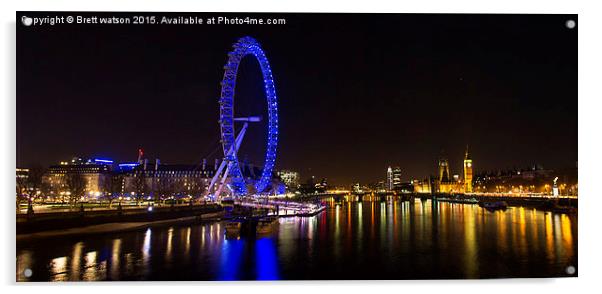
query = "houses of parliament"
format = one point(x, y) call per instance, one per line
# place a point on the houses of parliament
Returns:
point(444, 182)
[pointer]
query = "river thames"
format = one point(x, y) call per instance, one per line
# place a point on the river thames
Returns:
point(350, 240)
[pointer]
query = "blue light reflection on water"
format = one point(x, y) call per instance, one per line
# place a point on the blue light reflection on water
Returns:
point(266, 259)
point(230, 259)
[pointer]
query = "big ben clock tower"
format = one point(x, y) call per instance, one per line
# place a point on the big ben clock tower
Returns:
point(467, 172)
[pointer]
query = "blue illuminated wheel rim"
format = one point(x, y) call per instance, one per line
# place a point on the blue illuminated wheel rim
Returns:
point(243, 47)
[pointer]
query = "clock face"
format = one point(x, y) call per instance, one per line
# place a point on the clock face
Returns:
point(469, 164)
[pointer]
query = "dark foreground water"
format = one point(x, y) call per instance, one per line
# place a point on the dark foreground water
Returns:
point(354, 240)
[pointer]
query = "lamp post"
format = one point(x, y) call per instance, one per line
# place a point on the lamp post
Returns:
point(119, 208)
point(29, 207)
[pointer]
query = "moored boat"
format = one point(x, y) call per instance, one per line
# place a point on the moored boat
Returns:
point(459, 200)
point(493, 205)
point(233, 228)
point(266, 225)
point(553, 206)
point(227, 202)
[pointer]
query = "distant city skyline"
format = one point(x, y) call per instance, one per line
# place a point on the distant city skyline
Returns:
point(371, 92)
point(405, 177)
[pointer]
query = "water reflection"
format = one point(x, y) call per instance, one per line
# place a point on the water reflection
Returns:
point(58, 268)
point(390, 239)
point(266, 259)
point(231, 257)
point(187, 242)
point(146, 246)
point(76, 260)
point(24, 261)
point(90, 273)
point(169, 245)
point(115, 258)
point(470, 244)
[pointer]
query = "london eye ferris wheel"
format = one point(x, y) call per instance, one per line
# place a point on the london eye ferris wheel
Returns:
point(231, 141)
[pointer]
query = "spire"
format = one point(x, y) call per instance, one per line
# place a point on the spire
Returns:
point(443, 167)
point(140, 154)
point(442, 154)
point(467, 154)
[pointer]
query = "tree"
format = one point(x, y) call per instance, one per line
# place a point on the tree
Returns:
point(45, 190)
point(105, 185)
point(165, 188)
point(76, 185)
point(179, 189)
point(140, 186)
point(21, 189)
point(111, 187)
point(34, 184)
point(197, 188)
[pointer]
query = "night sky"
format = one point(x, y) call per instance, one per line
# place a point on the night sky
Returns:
point(357, 92)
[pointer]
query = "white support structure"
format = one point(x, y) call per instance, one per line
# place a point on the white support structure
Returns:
point(223, 181)
point(231, 153)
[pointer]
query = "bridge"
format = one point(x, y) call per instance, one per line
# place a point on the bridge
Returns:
point(279, 207)
point(514, 199)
